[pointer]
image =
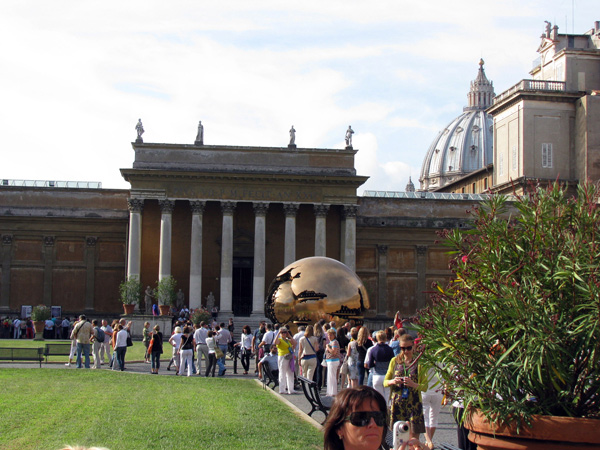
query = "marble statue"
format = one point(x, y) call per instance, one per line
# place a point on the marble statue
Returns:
point(200, 135)
point(349, 133)
point(139, 128)
point(292, 136)
point(180, 299)
point(210, 301)
point(148, 294)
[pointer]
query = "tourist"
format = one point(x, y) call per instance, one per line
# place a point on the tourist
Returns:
point(246, 348)
point(357, 421)
point(332, 358)
point(82, 333)
point(156, 345)
point(307, 353)
point(285, 357)
point(175, 341)
point(97, 339)
point(256, 340)
point(406, 381)
point(212, 358)
point(379, 362)
point(363, 343)
point(352, 356)
point(121, 346)
point(146, 341)
point(271, 359)
point(319, 333)
point(223, 339)
point(186, 351)
point(105, 348)
point(201, 348)
point(432, 404)
point(65, 325)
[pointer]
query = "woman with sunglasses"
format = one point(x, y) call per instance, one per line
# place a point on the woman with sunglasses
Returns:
point(357, 420)
point(406, 380)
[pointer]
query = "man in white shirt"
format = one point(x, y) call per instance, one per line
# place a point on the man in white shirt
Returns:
point(17, 328)
point(296, 338)
point(223, 338)
point(268, 339)
point(201, 348)
point(121, 347)
point(105, 349)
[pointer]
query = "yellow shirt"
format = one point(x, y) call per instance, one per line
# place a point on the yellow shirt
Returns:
point(283, 347)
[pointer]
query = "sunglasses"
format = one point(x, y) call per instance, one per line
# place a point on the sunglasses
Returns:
point(363, 418)
point(409, 348)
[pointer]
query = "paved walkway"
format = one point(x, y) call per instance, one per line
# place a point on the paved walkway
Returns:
point(446, 431)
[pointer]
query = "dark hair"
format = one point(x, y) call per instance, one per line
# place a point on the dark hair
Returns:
point(186, 330)
point(222, 324)
point(246, 329)
point(95, 322)
point(347, 401)
point(209, 334)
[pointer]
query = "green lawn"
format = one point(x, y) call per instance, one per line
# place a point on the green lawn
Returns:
point(47, 408)
point(135, 353)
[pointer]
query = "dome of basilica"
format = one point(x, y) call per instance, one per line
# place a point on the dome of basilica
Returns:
point(465, 145)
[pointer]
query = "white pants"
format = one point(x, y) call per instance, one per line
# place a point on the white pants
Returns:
point(186, 355)
point(332, 378)
point(432, 404)
point(96, 346)
point(201, 349)
point(378, 386)
point(286, 376)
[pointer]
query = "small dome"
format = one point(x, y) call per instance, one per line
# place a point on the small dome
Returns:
point(465, 145)
point(410, 187)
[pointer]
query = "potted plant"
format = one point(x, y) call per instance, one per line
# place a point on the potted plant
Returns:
point(200, 315)
point(39, 315)
point(130, 290)
point(165, 294)
point(516, 333)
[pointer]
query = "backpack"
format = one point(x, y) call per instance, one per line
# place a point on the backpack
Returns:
point(100, 334)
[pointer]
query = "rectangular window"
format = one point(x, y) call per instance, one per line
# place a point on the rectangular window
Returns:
point(547, 156)
point(473, 188)
point(485, 183)
point(500, 164)
point(514, 158)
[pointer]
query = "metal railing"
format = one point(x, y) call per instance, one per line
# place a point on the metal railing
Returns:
point(422, 195)
point(50, 183)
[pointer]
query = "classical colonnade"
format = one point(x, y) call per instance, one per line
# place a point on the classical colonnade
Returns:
point(135, 205)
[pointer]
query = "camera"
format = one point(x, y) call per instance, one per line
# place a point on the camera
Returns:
point(401, 432)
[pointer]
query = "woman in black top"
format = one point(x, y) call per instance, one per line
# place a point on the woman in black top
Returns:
point(157, 349)
point(363, 343)
point(186, 351)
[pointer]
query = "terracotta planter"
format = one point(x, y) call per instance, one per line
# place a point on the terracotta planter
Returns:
point(546, 432)
point(164, 310)
point(39, 327)
point(129, 309)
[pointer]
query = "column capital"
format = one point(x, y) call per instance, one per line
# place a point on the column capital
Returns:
point(321, 209)
point(291, 209)
point(421, 250)
point(49, 241)
point(260, 208)
point(90, 241)
point(7, 239)
point(197, 206)
point(349, 211)
point(166, 206)
point(228, 207)
point(135, 204)
point(382, 249)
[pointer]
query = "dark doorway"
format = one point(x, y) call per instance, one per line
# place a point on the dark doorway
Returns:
point(242, 286)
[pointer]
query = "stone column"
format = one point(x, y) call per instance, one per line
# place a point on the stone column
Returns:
point(258, 282)
point(421, 276)
point(382, 281)
point(48, 267)
point(349, 236)
point(90, 274)
point(166, 224)
point(227, 259)
point(5, 263)
point(134, 252)
point(289, 253)
point(321, 229)
point(195, 296)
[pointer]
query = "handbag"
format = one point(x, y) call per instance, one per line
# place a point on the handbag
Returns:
point(218, 352)
point(151, 345)
point(129, 341)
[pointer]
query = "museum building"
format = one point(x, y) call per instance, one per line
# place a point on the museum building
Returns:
point(226, 219)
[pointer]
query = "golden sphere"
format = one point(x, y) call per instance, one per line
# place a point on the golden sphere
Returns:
point(316, 288)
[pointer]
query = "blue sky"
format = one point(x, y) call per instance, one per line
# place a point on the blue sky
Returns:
point(76, 76)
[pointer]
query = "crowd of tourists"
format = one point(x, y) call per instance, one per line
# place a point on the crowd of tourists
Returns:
point(22, 328)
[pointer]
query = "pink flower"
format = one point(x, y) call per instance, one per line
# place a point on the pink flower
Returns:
point(465, 258)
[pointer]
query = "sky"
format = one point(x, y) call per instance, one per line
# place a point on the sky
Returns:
point(75, 76)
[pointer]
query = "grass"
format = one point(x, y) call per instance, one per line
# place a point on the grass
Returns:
point(48, 408)
point(135, 353)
